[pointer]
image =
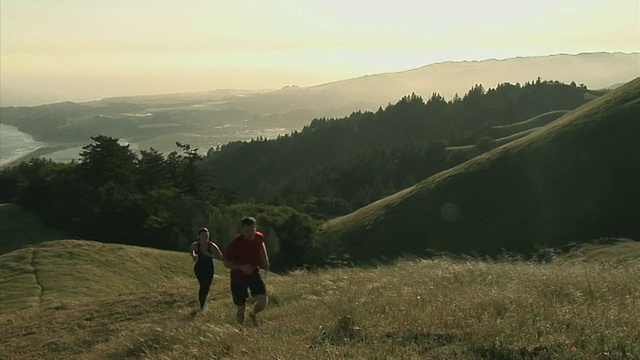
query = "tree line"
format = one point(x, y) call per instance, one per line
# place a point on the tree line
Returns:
point(291, 184)
point(113, 195)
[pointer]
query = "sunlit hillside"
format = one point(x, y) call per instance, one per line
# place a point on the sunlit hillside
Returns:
point(580, 306)
point(571, 181)
point(58, 274)
point(503, 134)
point(501, 131)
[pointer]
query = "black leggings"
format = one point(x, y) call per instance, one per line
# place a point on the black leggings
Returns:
point(204, 272)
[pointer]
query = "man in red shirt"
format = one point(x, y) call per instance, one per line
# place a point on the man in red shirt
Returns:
point(245, 255)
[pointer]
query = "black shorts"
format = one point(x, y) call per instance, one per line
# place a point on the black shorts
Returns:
point(240, 289)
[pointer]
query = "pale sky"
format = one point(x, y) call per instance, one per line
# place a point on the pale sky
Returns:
point(80, 50)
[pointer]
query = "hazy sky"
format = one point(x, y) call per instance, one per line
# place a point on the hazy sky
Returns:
point(80, 50)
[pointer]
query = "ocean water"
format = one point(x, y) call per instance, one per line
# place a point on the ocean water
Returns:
point(15, 143)
point(66, 155)
point(73, 153)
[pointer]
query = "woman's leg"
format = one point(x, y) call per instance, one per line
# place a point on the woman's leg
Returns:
point(204, 273)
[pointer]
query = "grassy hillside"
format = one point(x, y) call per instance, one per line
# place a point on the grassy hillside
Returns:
point(571, 181)
point(575, 307)
point(537, 121)
point(504, 134)
point(57, 274)
point(20, 227)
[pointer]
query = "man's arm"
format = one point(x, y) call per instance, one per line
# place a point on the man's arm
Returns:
point(245, 268)
point(230, 261)
point(265, 258)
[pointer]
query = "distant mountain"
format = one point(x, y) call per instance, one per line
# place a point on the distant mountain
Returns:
point(299, 105)
point(573, 180)
point(209, 119)
point(594, 70)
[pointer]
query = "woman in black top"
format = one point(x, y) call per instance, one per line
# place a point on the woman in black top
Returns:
point(203, 252)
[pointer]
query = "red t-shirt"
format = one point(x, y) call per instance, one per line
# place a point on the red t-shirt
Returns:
point(243, 251)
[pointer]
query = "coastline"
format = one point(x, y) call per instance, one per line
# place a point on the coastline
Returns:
point(35, 153)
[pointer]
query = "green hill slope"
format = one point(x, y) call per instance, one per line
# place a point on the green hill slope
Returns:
point(572, 308)
point(503, 134)
point(55, 273)
point(574, 180)
point(537, 121)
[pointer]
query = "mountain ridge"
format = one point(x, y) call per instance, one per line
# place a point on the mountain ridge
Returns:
point(444, 78)
point(484, 61)
point(546, 189)
point(625, 67)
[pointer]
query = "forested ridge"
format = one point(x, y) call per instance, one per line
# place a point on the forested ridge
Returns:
point(333, 166)
point(292, 183)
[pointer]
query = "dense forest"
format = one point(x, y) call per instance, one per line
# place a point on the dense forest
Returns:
point(334, 166)
point(293, 183)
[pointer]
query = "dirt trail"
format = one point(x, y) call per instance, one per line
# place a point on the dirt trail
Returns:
point(35, 274)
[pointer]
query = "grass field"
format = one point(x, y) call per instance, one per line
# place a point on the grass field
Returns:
point(583, 305)
point(51, 274)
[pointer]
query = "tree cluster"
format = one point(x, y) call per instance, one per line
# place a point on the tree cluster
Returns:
point(113, 195)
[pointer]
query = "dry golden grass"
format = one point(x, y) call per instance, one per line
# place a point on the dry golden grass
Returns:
point(576, 307)
point(51, 273)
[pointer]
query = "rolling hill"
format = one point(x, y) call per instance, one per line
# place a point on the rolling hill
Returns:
point(502, 131)
point(60, 273)
point(572, 181)
point(41, 268)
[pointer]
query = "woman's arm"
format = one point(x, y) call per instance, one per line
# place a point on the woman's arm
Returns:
point(216, 254)
point(192, 251)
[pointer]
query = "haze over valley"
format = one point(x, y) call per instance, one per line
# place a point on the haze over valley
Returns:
point(210, 119)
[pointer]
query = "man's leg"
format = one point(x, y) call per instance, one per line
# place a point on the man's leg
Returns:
point(261, 303)
point(240, 313)
point(259, 293)
point(240, 294)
